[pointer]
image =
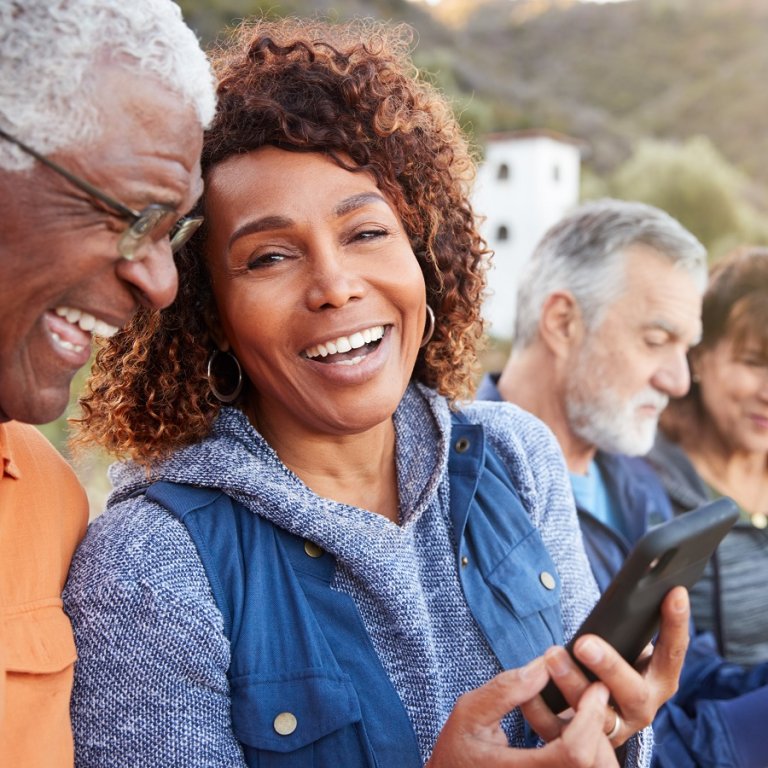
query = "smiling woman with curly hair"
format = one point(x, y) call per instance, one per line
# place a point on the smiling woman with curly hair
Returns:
point(315, 550)
point(359, 103)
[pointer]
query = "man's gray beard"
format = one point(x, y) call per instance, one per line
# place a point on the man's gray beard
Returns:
point(603, 420)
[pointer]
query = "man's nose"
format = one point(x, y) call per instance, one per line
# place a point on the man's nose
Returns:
point(153, 279)
point(673, 377)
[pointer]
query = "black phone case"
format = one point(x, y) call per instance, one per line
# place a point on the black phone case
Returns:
point(669, 555)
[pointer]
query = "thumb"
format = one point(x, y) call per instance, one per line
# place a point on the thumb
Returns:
point(486, 705)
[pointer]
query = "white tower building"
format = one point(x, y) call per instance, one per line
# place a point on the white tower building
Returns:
point(528, 181)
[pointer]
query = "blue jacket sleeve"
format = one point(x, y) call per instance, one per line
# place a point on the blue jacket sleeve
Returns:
point(717, 716)
point(719, 713)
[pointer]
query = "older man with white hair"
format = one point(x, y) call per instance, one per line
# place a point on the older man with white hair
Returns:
point(608, 307)
point(102, 110)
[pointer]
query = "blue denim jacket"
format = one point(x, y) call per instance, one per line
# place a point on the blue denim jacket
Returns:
point(307, 687)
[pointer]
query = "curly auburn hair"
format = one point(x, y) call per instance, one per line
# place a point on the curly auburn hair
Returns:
point(349, 91)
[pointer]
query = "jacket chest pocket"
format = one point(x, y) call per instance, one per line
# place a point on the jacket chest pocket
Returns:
point(302, 720)
point(38, 640)
point(526, 580)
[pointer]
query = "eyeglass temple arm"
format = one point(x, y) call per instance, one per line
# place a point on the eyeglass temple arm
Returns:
point(71, 178)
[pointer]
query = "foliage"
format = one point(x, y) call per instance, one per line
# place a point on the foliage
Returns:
point(695, 184)
point(91, 467)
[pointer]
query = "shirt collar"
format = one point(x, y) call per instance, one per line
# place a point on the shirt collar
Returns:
point(9, 466)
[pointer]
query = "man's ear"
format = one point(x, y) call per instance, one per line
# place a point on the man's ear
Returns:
point(560, 324)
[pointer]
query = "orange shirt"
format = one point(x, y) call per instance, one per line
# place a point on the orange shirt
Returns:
point(43, 516)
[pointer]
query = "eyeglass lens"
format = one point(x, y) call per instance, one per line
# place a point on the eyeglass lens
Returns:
point(184, 230)
point(154, 222)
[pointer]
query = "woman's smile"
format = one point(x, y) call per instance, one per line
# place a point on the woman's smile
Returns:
point(347, 350)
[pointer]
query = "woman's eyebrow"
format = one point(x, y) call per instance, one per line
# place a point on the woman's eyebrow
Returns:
point(358, 201)
point(282, 222)
point(259, 225)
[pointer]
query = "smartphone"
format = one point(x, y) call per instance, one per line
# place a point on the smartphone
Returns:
point(671, 554)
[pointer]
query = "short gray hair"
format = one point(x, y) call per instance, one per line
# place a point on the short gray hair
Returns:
point(50, 48)
point(584, 253)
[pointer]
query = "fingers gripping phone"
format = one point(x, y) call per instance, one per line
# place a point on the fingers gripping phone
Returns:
point(672, 554)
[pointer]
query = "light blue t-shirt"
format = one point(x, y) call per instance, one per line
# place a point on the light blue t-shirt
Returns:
point(592, 495)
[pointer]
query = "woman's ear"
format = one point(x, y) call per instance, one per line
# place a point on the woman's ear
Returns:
point(560, 324)
point(694, 363)
point(215, 329)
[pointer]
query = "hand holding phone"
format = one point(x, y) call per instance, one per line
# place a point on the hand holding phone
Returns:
point(669, 555)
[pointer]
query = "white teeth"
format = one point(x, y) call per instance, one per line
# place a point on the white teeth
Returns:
point(102, 329)
point(346, 343)
point(67, 344)
point(86, 322)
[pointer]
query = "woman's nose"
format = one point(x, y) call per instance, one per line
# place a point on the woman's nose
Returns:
point(332, 281)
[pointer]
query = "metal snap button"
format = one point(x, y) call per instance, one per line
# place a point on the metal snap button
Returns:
point(312, 549)
point(547, 580)
point(462, 445)
point(465, 561)
point(285, 723)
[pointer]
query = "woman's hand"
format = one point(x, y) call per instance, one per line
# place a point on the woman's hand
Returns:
point(472, 736)
point(636, 692)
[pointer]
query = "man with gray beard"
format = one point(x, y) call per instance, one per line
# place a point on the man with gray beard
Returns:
point(608, 307)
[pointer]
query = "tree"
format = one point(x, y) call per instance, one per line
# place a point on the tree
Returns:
point(694, 183)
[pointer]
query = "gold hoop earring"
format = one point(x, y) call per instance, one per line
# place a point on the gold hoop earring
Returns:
point(430, 329)
point(224, 397)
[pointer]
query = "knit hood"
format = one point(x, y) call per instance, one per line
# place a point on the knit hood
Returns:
point(235, 458)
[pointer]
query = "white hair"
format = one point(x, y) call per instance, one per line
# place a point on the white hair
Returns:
point(585, 253)
point(49, 49)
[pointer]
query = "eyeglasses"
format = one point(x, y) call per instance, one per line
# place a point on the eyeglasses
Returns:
point(151, 223)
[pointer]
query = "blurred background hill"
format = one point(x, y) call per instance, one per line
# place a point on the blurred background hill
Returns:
point(611, 74)
point(668, 97)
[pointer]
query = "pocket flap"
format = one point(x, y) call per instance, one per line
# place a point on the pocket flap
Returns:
point(527, 577)
point(288, 712)
point(38, 639)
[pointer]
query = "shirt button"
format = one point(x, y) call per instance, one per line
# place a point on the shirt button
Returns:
point(547, 579)
point(312, 549)
point(760, 520)
point(285, 723)
point(465, 561)
point(462, 445)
